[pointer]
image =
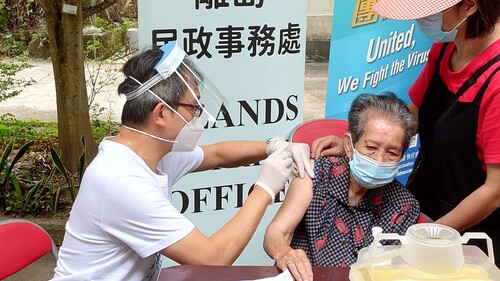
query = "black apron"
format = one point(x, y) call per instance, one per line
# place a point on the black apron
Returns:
point(448, 168)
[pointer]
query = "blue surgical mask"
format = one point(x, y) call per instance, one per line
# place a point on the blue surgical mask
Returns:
point(370, 173)
point(431, 27)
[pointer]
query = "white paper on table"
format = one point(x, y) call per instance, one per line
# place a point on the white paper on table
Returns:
point(284, 276)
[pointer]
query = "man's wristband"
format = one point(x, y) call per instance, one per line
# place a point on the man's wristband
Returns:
point(272, 143)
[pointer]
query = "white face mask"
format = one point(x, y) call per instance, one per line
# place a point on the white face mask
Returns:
point(188, 137)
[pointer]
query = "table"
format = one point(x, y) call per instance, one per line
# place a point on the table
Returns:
point(234, 273)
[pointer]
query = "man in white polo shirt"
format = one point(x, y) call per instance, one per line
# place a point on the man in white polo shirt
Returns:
point(123, 219)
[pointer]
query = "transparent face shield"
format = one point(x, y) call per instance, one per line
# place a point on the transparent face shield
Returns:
point(206, 96)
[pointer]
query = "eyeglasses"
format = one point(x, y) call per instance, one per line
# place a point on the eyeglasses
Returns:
point(196, 108)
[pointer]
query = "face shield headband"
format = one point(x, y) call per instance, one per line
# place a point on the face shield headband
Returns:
point(173, 57)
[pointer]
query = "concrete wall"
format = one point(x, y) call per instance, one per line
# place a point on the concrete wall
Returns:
point(319, 19)
point(319, 28)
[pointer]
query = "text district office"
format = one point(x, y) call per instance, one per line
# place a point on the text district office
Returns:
point(217, 198)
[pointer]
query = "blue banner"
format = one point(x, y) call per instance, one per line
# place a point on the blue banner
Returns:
point(370, 54)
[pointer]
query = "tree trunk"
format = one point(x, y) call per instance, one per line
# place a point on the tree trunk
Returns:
point(66, 43)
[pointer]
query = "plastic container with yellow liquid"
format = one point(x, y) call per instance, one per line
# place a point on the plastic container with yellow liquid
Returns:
point(428, 252)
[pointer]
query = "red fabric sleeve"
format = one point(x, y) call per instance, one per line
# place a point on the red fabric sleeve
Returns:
point(488, 132)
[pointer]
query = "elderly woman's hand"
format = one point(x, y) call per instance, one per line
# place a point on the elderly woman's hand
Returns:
point(327, 146)
point(297, 262)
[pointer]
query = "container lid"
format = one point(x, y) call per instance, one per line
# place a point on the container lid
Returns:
point(433, 234)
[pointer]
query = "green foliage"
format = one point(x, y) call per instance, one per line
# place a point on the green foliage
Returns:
point(10, 86)
point(7, 179)
point(22, 195)
point(34, 201)
point(104, 56)
point(22, 22)
point(111, 43)
point(39, 183)
point(72, 186)
point(18, 21)
point(4, 15)
point(102, 127)
point(40, 36)
point(18, 193)
point(23, 131)
point(10, 45)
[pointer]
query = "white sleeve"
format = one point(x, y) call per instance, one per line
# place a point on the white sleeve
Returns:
point(178, 164)
point(138, 214)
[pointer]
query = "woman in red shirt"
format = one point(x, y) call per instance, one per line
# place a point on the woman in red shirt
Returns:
point(457, 100)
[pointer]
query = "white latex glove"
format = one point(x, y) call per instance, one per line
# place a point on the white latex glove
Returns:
point(275, 171)
point(301, 154)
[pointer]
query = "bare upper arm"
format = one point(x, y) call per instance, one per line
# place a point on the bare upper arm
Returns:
point(293, 208)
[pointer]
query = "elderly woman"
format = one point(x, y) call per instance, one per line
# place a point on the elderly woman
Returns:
point(325, 221)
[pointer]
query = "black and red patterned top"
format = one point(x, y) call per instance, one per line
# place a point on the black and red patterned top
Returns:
point(331, 232)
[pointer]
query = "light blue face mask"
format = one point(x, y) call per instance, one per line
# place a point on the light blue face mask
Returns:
point(370, 173)
point(431, 27)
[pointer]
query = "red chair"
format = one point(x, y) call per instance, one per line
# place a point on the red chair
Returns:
point(22, 242)
point(308, 131)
